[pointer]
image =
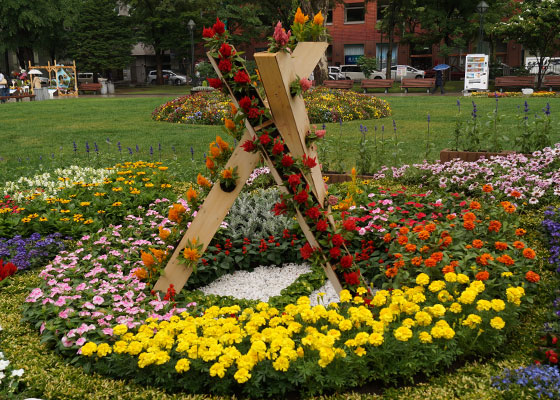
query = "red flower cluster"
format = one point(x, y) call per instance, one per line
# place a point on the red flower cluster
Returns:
point(242, 77)
point(6, 269)
point(215, 83)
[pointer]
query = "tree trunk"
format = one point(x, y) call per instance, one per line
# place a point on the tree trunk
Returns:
point(388, 74)
point(7, 59)
point(159, 66)
point(540, 71)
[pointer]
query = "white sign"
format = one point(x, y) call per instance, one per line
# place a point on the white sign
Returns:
point(476, 72)
point(401, 70)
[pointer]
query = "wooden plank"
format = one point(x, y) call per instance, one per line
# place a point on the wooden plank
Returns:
point(307, 55)
point(209, 217)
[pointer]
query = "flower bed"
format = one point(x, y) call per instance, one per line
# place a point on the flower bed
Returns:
point(532, 181)
point(86, 207)
point(323, 105)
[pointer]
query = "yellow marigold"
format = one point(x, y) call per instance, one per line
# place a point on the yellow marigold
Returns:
point(497, 323)
point(281, 364)
point(88, 349)
point(120, 329)
point(422, 279)
point(360, 351)
point(498, 305)
point(483, 305)
point(455, 308)
point(103, 349)
point(300, 18)
point(450, 277)
point(345, 325)
point(345, 296)
point(191, 254)
point(425, 337)
point(318, 19)
point(375, 339)
point(436, 286)
point(403, 333)
point(462, 278)
point(242, 375)
point(423, 318)
point(472, 321)
point(183, 365)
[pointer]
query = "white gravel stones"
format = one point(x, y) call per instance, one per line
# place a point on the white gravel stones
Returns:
point(265, 282)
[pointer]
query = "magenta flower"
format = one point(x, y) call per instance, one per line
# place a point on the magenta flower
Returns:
point(305, 84)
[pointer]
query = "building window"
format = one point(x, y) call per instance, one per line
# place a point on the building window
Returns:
point(354, 13)
point(329, 16)
point(381, 54)
point(381, 6)
point(329, 52)
point(352, 52)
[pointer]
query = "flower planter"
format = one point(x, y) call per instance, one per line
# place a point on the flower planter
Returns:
point(448, 155)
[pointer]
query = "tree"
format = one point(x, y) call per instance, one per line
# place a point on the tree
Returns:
point(101, 39)
point(537, 27)
point(368, 65)
point(23, 24)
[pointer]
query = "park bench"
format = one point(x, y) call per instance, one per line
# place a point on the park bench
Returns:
point(19, 97)
point(341, 84)
point(376, 83)
point(514, 81)
point(418, 83)
point(89, 87)
point(551, 81)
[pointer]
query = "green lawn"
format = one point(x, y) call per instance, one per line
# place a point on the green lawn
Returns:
point(39, 135)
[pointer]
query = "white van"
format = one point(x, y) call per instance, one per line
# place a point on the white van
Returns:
point(550, 65)
point(355, 73)
point(87, 77)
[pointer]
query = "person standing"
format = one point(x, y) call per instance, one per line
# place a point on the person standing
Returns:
point(4, 89)
point(439, 81)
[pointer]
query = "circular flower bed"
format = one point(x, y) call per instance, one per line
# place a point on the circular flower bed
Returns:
point(323, 105)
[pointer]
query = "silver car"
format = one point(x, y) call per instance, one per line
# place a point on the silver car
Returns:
point(410, 72)
point(169, 76)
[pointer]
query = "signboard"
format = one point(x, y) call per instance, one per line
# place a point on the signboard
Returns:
point(476, 72)
point(401, 70)
point(352, 60)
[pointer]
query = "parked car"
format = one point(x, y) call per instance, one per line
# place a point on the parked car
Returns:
point(334, 73)
point(457, 74)
point(168, 75)
point(411, 72)
point(354, 72)
point(87, 77)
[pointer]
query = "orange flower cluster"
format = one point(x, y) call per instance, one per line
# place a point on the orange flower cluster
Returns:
point(176, 213)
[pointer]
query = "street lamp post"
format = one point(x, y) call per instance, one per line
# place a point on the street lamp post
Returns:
point(191, 26)
point(481, 9)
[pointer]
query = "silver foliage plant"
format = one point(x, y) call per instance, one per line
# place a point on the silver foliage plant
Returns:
point(251, 216)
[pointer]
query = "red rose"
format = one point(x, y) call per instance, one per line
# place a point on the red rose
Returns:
point(294, 180)
point(225, 50)
point(287, 161)
point(207, 32)
point(349, 224)
point(245, 103)
point(337, 240)
point(313, 213)
point(309, 162)
point(306, 251)
point(346, 261)
point(301, 197)
point(215, 83)
point(264, 139)
point(280, 208)
point(322, 225)
point(352, 278)
point(224, 65)
point(241, 77)
point(278, 148)
point(253, 113)
point(248, 146)
point(219, 27)
point(334, 252)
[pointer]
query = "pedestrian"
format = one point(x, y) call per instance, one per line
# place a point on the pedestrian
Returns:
point(4, 89)
point(439, 81)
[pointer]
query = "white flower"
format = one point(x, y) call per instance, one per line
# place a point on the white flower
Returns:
point(4, 364)
point(17, 372)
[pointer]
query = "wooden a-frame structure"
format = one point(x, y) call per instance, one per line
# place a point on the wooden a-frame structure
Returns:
point(277, 71)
